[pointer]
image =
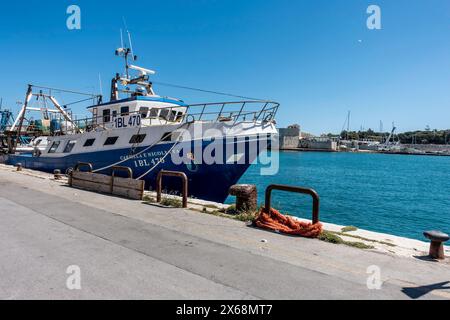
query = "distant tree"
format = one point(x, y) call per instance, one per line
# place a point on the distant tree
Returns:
point(421, 137)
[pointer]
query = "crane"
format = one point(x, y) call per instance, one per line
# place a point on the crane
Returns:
point(391, 135)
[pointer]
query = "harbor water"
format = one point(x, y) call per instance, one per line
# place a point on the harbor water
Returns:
point(397, 194)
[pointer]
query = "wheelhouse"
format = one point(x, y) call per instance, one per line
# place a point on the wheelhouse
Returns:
point(137, 111)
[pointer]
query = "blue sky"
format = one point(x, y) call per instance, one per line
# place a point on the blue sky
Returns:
point(304, 54)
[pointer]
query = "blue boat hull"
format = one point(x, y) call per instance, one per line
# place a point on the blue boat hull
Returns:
point(206, 181)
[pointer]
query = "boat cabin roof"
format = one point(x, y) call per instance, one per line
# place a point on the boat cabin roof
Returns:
point(142, 98)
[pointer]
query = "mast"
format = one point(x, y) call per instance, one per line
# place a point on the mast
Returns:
point(142, 79)
point(348, 125)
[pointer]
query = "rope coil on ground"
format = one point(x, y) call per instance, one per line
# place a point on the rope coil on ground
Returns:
point(275, 221)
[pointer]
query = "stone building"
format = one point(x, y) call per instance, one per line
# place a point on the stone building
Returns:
point(289, 137)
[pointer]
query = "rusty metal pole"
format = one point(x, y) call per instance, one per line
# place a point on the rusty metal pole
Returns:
point(185, 190)
point(77, 168)
point(311, 192)
point(158, 187)
point(113, 174)
point(83, 164)
point(69, 179)
point(179, 174)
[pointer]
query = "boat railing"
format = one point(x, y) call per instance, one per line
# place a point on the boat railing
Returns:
point(241, 111)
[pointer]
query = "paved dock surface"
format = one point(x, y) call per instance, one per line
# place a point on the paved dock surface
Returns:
point(129, 250)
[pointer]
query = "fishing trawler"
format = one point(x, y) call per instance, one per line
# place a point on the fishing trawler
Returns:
point(212, 143)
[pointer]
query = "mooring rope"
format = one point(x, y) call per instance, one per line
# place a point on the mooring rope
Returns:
point(135, 144)
point(142, 151)
point(275, 221)
point(160, 160)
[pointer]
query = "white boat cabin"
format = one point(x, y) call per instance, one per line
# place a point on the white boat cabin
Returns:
point(139, 111)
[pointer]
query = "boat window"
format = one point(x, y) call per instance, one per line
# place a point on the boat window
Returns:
point(153, 112)
point(173, 115)
point(179, 116)
point(114, 114)
point(110, 141)
point(54, 146)
point(89, 142)
point(143, 111)
point(124, 111)
point(164, 114)
point(69, 146)
point(137, 138)
point(106, 115)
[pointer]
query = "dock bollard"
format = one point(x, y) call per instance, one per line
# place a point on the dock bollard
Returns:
point(246, 197)
point(437, 243)
point(19, 167)
point(57, 174)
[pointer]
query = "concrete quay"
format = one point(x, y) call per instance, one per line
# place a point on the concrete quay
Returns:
point(125, 249)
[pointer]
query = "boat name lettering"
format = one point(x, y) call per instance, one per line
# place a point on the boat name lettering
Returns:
point(144, 155)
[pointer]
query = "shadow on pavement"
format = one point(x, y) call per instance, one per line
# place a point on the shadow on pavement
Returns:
point(417, 292)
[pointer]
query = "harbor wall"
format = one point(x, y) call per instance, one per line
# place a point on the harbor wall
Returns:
point(318, 144)
point(429, 147)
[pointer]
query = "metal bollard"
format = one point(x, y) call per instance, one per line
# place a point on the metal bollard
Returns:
point(246, 197)
point(57, 174)
point(437, 243)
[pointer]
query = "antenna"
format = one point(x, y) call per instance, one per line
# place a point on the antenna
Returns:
point(131, 47)
point(100, 83)
point(127, 54)
point(133, 57)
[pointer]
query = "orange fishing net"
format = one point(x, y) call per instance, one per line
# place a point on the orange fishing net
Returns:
point(275, 221)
